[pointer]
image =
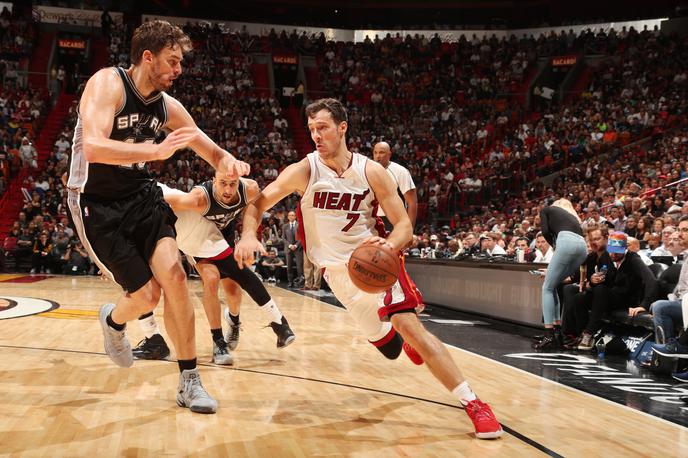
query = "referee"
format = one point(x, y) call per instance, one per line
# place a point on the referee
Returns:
point(382, 154)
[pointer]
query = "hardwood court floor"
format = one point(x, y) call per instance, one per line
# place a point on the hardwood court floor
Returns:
point(329, 394)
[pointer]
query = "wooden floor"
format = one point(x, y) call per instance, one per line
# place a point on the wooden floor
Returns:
point(328, 394)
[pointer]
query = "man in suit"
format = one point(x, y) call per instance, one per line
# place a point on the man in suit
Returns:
point(293, 250)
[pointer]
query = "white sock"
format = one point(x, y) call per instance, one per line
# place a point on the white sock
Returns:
point(464, 393)
point(149, 326)
point(271, 311)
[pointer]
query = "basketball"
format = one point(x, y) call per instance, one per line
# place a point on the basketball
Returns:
point(373, 268)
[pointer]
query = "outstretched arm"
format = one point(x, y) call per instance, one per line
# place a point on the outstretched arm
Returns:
point(221, 160)
point(195, 200)
point(292, 179)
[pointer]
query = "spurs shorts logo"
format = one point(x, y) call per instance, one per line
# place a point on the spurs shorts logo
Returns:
point(15, 307)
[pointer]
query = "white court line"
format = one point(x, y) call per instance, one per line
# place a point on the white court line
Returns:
point(616, 404)
point(568, 387)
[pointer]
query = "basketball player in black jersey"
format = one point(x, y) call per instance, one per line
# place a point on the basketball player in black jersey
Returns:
point(220, 200)
point(117, 208)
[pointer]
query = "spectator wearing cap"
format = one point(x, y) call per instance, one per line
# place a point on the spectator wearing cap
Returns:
point(488, 244)
point(632, 287)
point(434, 242)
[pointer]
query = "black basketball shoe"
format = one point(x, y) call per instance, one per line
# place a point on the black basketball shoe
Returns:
point(285, 335)
point(153, 348)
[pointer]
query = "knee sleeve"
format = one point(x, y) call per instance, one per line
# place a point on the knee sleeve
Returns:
point(390, 345)
point(246, 279)
point(249, 282)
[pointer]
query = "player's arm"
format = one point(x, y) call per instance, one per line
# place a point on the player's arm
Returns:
point(103, 95)
point(252, 189)
point(411, 198)
point(292, 179)
point(221, 160)
point(196, 200)
point(386, 194)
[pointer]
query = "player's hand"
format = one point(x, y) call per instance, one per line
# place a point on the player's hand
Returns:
point(634, 311)
point(233, 167)
point(245, 249)
point(176, 140)
point(375, 240)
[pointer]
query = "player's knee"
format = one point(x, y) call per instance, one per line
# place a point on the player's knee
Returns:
point(211, 281)
point(147, 299)
point(390, 345)
point(176, 275)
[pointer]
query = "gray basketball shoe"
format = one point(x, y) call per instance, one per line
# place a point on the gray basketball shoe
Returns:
point(232, 334)
point(191, 393)
point(117, 345)
point(221, 354)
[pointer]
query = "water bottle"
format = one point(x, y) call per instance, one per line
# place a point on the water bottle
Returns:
point(600, 346)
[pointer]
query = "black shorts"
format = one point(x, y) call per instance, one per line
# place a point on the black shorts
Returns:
point(245, 278)
point(121, 235)
point(226, 265)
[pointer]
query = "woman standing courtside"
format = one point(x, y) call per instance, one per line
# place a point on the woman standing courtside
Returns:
point(561, 227)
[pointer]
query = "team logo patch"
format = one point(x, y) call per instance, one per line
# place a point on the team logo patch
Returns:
point(16, 307)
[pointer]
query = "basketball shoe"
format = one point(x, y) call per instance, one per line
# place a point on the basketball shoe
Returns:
point(484, 421)
point(672, 349)
point(285, 335)
point(154, 347)
point(117, 346)
point(232, 334)
point(191, 393)
point(681, 377)
point(412, 354)
point(221, 354)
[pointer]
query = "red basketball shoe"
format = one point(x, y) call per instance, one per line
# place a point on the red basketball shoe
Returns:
point(413, 354)
point(484, 421)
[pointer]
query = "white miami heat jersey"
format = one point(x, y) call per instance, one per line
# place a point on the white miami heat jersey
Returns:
point(196, 235)
point(337, 211)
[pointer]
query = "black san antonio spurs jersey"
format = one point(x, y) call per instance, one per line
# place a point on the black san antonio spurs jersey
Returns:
point(220, 214)
point(138, 120)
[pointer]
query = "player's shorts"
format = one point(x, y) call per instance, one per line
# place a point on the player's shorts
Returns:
point(373, 311)
point(225, 263)
point(121, 235)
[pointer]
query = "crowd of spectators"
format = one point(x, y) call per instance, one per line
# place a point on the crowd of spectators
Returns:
point(21, 108)
point(471, 150)
point(464, 151)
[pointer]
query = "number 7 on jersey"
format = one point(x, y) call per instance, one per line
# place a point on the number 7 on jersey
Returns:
point(353, 217)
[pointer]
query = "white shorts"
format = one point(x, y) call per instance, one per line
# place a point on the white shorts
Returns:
point(362, 306)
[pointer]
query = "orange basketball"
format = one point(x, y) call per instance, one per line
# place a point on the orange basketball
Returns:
point(373, 268)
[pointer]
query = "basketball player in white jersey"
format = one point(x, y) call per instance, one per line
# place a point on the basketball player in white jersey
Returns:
point(116, 207)
point(201, 214)
point(382, 154)
point(339, 192)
